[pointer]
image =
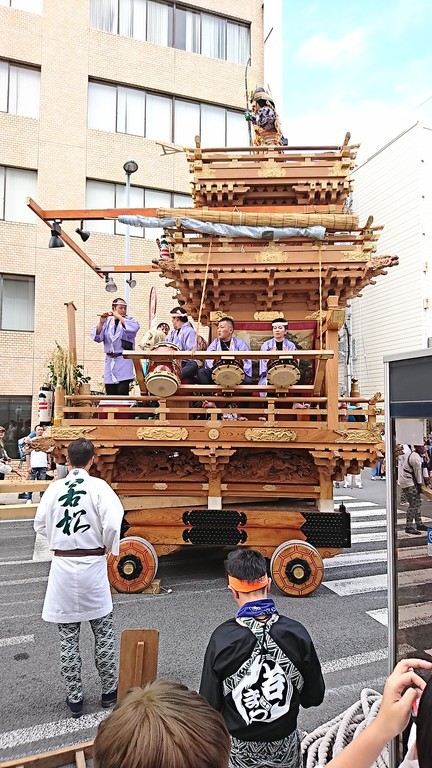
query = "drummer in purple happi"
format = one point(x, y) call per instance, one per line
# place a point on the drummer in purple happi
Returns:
point(279, 342)
point(117, 331)
point(226, 341)
point(184, 337)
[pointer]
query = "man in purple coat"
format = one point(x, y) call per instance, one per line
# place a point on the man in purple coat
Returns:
point(117, 331)
point(225, 341)
point(185, 337)
point(278, 342)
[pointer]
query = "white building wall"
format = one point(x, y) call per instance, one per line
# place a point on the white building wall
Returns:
point(390, 316)
point(273, 68)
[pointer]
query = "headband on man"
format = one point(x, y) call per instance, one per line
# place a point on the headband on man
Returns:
point(280, 321)
point(178, 312)
point(247, 586)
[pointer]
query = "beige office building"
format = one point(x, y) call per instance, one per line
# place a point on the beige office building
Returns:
point(84, 87)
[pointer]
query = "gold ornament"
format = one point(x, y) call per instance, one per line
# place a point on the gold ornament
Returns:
point(213, 434)
point(354, 256)
point(162, 433)
point(271, 169)
point(271, 256)
point(277, 435)
point(71, 432)
point(189, 258)
point(359, 436)
point(268, 316)
point(269, 487)
point(160, 486)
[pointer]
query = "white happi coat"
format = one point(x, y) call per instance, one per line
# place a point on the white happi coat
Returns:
point(79, 512)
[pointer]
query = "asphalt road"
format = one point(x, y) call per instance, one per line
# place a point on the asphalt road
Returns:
point(344, 617)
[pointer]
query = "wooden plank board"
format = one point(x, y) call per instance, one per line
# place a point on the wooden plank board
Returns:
point(152, 518)
point(139, 650)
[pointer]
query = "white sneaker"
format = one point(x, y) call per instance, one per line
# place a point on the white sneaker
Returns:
point(359, 486)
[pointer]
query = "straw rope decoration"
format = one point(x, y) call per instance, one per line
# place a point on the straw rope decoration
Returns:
point(202, 296)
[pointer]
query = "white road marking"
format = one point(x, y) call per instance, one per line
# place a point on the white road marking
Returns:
point(363, 584)
point(19, 520)
point(19, 640)
point(368, 523)
point(11, 739)
point(17, 582)
point(354, 661)
point(366, 538)
point(371, 556)
point(342, 498)
point(16, 562)
point(42, 552)
point(409, 615)
point(350, 504)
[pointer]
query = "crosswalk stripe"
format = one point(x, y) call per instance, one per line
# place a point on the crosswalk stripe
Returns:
point(347, 662)
point(409, 615)
point(368, 523)
point(350, 504)
point(362, 584)
point(18, 640)
point(371, 556)
point(343, 498)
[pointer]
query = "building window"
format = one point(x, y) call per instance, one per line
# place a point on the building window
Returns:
point(16, 185)
point(33, 6)
point(174, 25)
point(163, 118)
point(19, 90)
point(15, 415)
point(17, 303)
point(101, 194)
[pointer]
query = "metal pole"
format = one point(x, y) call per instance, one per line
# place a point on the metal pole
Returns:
point(391, 541)
point(127, 242)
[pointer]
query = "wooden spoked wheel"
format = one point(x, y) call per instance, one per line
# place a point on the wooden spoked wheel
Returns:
point(296, 568)
point(135, 567)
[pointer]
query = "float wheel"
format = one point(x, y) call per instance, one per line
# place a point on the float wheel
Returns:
point(296, 568)
point(135, 567)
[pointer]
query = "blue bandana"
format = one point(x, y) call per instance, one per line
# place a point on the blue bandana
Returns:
point(262, 607)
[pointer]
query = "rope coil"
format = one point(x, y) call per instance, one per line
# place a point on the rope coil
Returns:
point(326, 741)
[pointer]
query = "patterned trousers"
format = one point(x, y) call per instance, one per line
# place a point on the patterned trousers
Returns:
point(70, 659)
point(266, 754)
point(413, 498)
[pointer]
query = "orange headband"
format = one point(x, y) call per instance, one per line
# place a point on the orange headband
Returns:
point(247, 586)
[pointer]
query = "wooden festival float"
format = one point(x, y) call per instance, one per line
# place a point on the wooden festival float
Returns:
point(249, 468)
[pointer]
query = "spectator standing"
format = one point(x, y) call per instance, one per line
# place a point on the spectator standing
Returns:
point(411, 481)
point(259, 667)
point(37, 462)
point(81, 517)
point(4, 457)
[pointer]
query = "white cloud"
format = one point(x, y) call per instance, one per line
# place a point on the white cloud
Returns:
point(320, 49)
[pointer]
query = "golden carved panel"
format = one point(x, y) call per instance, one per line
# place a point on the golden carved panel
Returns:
point(271, 256)
point(316, 315)
point(269, 487)
point(189, 258)
point(160, 486)
point(213, 434)
point(271, 170)
point(278, 435)
point(354, 256)
point(359, 436)
point(162, 433)
point(268, 316)
point(71, 432)
point(206, 171)
point(216, 316)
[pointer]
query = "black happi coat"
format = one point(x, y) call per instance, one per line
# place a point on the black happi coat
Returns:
point(264, 707)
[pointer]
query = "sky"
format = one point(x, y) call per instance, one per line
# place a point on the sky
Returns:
point(363, 66)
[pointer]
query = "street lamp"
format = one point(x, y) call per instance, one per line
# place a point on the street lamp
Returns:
point(129, 168)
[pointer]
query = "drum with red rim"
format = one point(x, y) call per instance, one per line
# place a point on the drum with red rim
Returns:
point(163, 377)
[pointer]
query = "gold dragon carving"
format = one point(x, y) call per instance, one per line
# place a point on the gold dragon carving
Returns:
point(271, 435)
